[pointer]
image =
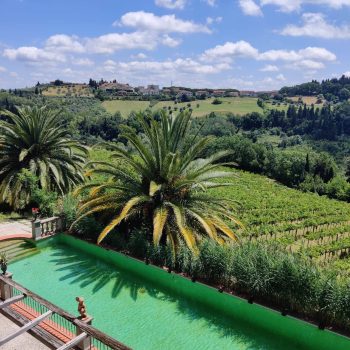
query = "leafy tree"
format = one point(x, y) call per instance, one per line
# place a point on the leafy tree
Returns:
point(58, 82)
point(216, 101)
point(33, 139)
point(344, 94)
point(163, 185)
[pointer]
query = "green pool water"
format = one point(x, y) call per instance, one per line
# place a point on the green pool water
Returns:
point(134, 310)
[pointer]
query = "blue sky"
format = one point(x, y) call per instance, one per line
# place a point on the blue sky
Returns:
point(244, 44)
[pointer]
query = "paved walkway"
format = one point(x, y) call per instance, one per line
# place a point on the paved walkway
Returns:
point(21, 228)
point(23, 342)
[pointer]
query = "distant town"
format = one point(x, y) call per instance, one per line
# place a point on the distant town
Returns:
point(114, 89)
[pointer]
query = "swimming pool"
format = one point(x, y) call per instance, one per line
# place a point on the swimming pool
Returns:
point(147, 308)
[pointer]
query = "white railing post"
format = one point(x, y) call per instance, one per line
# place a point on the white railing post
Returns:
point(60, 224)
point(36, 229)
point(85, 344)
point(5, 289)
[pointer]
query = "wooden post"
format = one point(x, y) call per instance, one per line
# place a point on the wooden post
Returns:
point(85, 344)
point(36, 229)
point(5, 289)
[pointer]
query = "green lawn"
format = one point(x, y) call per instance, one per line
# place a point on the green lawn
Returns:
point(125, 107)
point(236, 105)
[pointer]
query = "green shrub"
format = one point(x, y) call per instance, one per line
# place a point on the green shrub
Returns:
point(214, 261)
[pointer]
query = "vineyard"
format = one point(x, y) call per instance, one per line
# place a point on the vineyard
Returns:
point(301, 222)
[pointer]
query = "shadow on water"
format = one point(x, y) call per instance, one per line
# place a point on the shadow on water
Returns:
point(84, 270)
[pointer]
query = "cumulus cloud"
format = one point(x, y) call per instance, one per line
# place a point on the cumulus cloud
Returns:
point(171, 4)
point(269, 68)
point(147, 21)
point(295, 5)
point(309, 53)
point(347, 74)
point(150, 31)
point(211, 20)
point(86, 62)
point(64, 43)
point(169, 41)
point(230, 50)
point(250, 8)
point(211, 3)
point(2, 69)
point(178, 66)
point(139, 56)
point(315, 25)
point(309, 64)
point(110, 43)
point(304, 57)
point(33, 54)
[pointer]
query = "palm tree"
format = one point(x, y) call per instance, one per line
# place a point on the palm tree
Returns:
point(34, 139)
point(164, 183)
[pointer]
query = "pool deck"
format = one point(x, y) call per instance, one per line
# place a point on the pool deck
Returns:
point(11, 229)
point(22, 342)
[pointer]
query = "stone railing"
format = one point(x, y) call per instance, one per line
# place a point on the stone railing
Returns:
point(47, 227)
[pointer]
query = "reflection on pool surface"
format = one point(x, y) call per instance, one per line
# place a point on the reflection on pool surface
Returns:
point(133, 310)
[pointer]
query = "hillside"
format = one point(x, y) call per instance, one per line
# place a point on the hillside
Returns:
point(299, 221)
point(69, 90)
point(200, 108)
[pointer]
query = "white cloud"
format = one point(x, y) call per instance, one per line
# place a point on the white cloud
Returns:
point(230, 50)
point(305, 57)
point(250, 8)
point(169, 41)
point(280, 77)
point(347, 74)
point(178, 66)
point(309, 64)
point(110, 43)
point(33, 54)
point(64, 43)
point(317, 53)
point(211, 20)
point(2, 69)
point(211, 3)
point(295, 5)
point(309, 53)
point(140, 56)
point(83, 62)
point(147, 21)
point(315, 25)
point(171, 4)
point(269, 68)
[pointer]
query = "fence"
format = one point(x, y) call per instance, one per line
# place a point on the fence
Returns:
point(47, 227)
point(54, 325)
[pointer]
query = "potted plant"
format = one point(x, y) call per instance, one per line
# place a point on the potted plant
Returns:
point(3, 263)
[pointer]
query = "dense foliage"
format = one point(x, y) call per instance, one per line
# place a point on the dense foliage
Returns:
point(33, 139)
point(164, 184)
point(332, 89)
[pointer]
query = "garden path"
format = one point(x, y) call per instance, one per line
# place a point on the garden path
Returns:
point(19, 228)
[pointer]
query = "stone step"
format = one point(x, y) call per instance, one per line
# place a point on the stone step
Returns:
point(17, 249)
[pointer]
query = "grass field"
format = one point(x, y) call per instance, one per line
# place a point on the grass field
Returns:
point(236, 105)
point(309, 100)
point(299, 221)
point(125, 107)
